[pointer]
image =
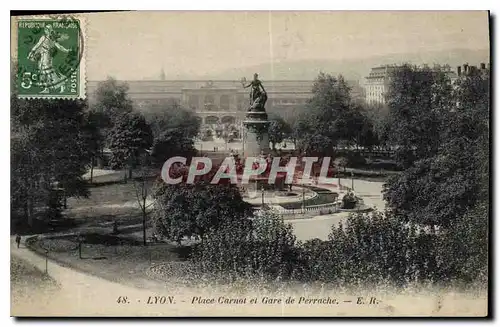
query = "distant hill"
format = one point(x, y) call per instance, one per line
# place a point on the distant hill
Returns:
point(352, 69)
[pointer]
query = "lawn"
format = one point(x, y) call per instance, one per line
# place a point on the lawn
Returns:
point(324, 196)
point(107, 203)
point(119, 258)
point(122, 257)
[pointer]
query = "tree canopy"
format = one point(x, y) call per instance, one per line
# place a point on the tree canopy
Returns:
point(50, 149)
point(112, 98)
point(173, 116)
point(185, 210)
point(130, 137)
point(278, 130)
point(451, 176)
point(330, 117)
point(418, 100)
point(171, 143)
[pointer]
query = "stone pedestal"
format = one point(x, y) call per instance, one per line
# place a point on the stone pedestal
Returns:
point(256, 141)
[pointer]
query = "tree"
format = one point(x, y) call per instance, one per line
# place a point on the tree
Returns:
point(417, 99)
point(377, 123)
point(174, 129)
point(142, 193)
point(172, 116)
point(50, 150)
point(439, 189)
point(95, 137)
point(300, 127)
point(112, 98)
point(341, 162)
point(186, 210)
point(278, 130)
point(293, 118)
point(130, 138)
point(171, 143)
point(111, 102)
point(332, 116)
point(367, 134)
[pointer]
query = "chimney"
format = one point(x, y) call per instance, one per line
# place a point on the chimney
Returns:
point(483, 66)
point(459, 70)
point(466, 66)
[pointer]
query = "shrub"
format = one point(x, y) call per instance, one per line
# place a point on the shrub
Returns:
point(350, 159)
point(377, 248)
point(185, 210)
point(349, 201)
point(315, 258)
point(355, 160)
point(264, 248)
point(464, 247)
point(367, 250)
point(341, 162)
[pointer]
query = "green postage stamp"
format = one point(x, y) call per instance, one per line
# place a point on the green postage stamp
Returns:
point(50, 58)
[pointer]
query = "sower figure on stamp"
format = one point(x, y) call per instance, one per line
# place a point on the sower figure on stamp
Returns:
point(258, 95)
point(43, 52)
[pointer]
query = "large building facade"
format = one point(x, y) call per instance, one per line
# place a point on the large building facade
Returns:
point(378, 81)
point(377, 84)
point(221, 101)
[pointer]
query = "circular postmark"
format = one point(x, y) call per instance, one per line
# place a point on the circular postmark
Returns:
point(49, 54)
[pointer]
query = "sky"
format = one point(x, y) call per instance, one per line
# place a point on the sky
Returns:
point(137, 45)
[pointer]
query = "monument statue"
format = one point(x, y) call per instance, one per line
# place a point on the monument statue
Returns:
point(258, 95)
point(256, 122)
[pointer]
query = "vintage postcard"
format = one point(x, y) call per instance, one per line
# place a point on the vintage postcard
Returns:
point(250, 164)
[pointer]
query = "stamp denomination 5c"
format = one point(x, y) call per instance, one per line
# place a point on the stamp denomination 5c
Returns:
point(50, 58)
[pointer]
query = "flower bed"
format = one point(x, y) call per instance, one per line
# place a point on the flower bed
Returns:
point(56, 244)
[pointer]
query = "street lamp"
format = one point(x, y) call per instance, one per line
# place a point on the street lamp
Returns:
point(46, 261)
point(303, 198)
point(80, 241)
point(352, 180)
point(242, 140)
point(256, 187)
point(262, 196)
point(65, 199)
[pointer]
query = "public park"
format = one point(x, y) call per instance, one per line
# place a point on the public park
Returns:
point(407, 206)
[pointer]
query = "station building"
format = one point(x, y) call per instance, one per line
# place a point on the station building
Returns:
point(219, 101)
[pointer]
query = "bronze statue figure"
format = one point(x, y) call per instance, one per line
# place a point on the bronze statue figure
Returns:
point(258, 95)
